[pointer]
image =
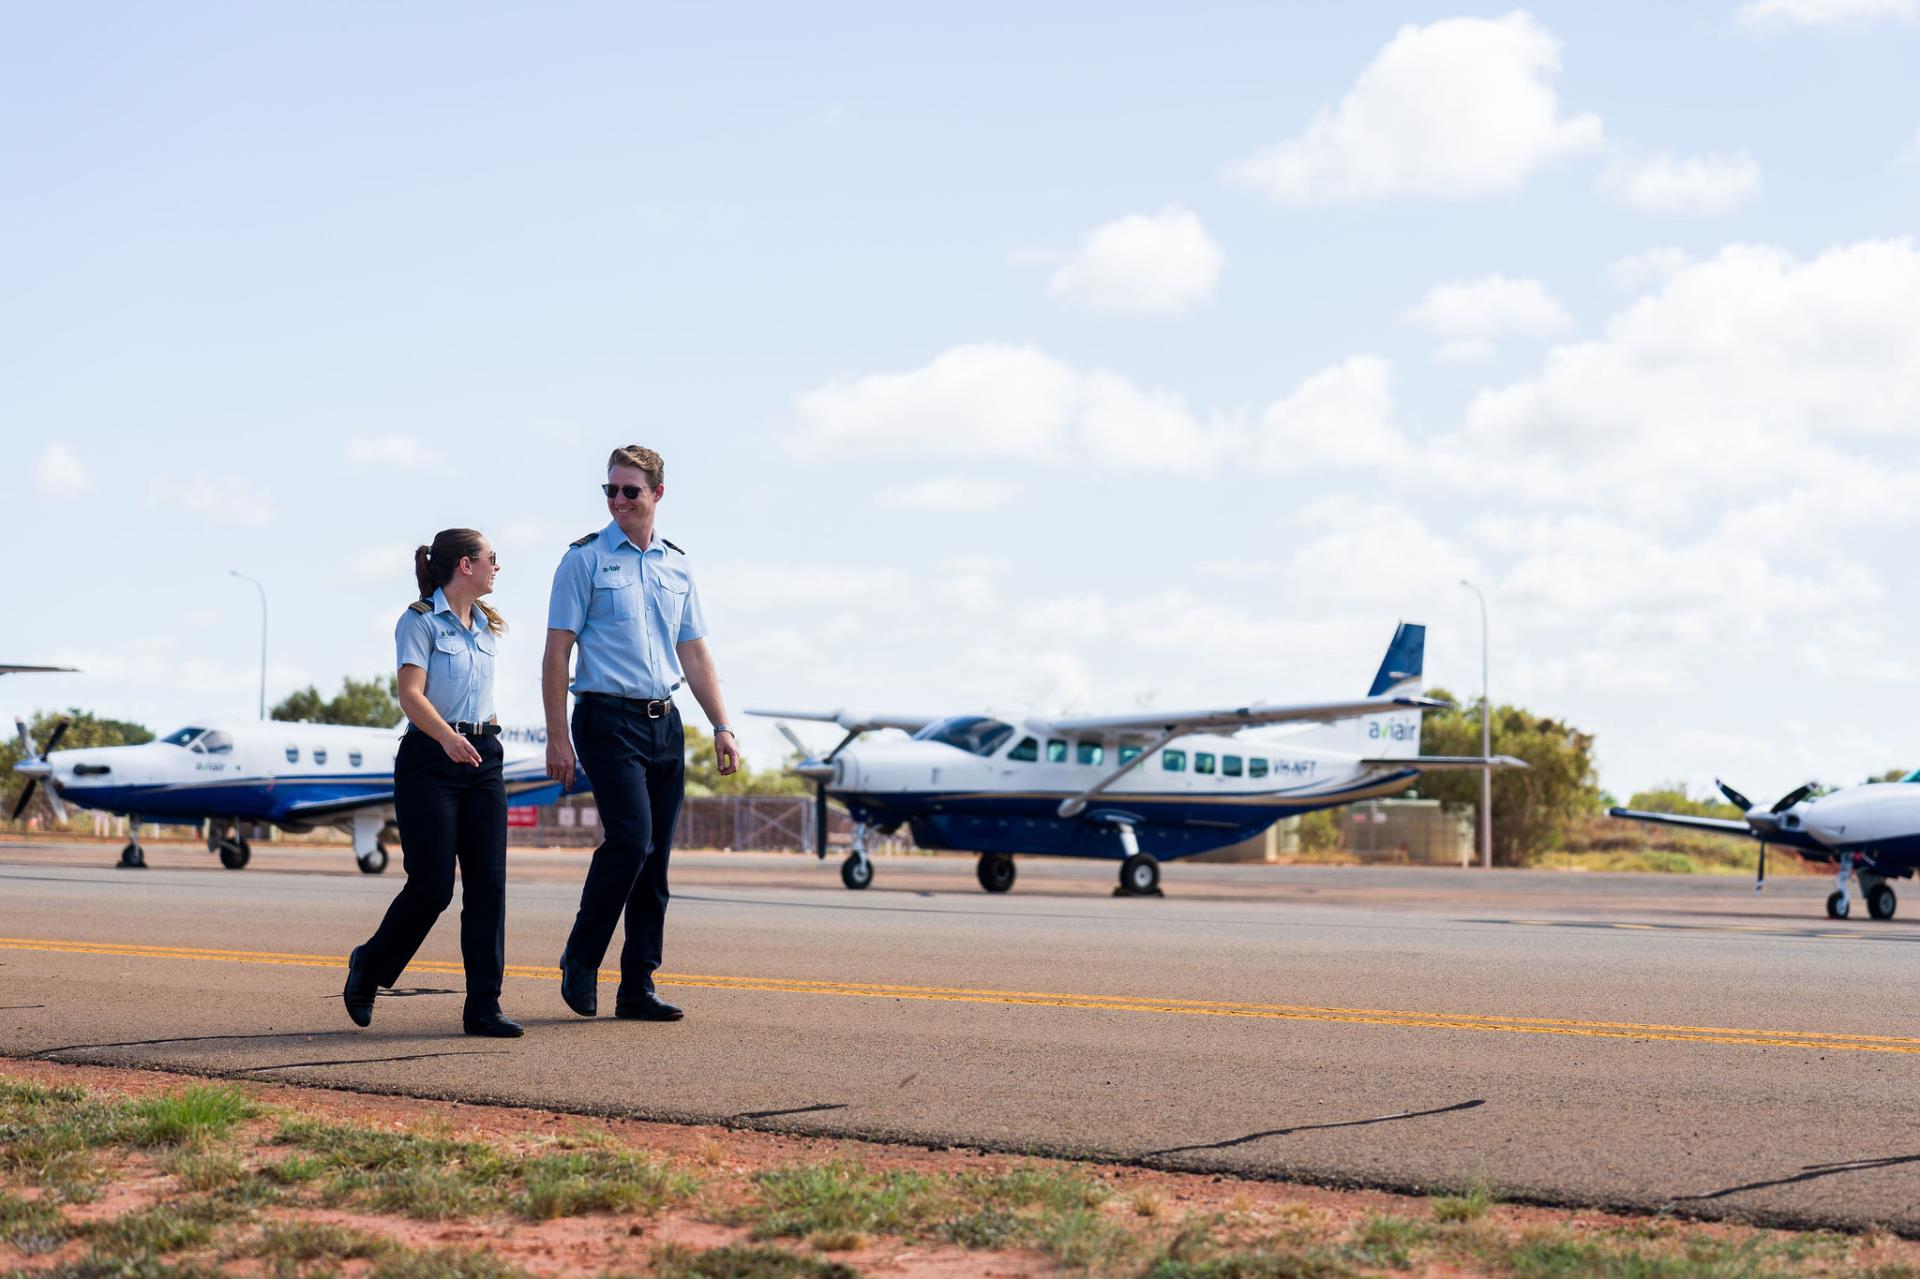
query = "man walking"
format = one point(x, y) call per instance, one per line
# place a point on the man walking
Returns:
point(625, 596)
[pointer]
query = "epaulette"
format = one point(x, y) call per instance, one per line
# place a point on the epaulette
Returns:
point(588, 538)
point(421, 606)
point(665, 542)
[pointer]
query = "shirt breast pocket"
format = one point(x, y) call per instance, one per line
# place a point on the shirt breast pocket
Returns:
point(613, 590)
point(671, 594)
point(452, 661)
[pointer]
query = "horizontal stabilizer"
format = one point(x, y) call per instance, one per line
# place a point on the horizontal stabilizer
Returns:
point(1718, 825)
point(1433, 763)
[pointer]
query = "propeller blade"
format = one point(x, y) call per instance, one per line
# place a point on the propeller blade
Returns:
point(793, 738)
point(59, 731)
point(1734, 797)
point(53, 800)
point(820, 820)
point(26, 797)
point(26, 739)
point(1760, 880)
point(1793, 797)
point(848, 740)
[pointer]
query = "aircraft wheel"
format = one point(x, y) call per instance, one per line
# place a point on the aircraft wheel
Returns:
point(1836, 905)
point(1140, 874)
point(374, 862)
point(995, 871)
point(1881, 902)
point(235, 853)
point(856, 872)
point(133, 857)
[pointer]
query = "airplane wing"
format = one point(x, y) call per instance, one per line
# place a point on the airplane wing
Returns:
point(1237, 717)
point(853, 721)
point(328, 809)
point(1718, 825)
point(1434, 763)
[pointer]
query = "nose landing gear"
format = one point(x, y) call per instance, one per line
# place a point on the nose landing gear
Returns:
point(857, 871)
point(225, 839)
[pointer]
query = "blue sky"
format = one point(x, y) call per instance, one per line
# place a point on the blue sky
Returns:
point(1034, 358)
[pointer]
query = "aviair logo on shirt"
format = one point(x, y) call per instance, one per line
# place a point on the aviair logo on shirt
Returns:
point(609, 568)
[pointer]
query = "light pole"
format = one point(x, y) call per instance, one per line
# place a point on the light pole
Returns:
point(263, 635)
point(1486, 737)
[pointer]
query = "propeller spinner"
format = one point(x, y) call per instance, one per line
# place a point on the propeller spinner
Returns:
point(35, 768)
point(1762, 823)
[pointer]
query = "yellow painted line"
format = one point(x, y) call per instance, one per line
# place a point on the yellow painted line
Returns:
point(1484, 1022)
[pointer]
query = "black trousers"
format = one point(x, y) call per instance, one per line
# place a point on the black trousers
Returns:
point(638, 769)
point(448, 813)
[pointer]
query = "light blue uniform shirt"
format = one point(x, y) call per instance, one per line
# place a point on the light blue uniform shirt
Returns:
point(458, 661)
point(628, 608)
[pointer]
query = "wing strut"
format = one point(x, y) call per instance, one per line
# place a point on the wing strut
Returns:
point(1074, 806)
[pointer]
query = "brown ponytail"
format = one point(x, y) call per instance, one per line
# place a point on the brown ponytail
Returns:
point(433, 568)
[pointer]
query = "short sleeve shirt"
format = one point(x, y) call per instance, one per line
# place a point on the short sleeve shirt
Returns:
point(628, 608)
point(458, 659)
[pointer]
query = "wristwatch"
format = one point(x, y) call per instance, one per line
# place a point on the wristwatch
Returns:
point(722, 728)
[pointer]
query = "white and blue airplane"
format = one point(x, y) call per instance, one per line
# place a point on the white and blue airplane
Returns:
point(1138, 789)
point(1870, 831)
point(234, 775)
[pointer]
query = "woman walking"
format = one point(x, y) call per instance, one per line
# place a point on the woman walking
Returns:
point(448, 796)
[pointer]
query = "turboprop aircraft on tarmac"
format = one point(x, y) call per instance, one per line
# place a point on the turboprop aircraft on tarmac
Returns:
point(1138, 789)
point(233, 775)
point(1872, 831)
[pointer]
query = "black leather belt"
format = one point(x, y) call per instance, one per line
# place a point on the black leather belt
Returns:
point(651, 707)
point(466, 729)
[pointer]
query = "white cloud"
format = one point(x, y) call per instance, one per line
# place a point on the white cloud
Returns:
point(1472, 314)
point(227, 498)
point(1742, 375)
point(948, 496)
point(1773, 14)
point(1460, 108)
point(393, 450)
point(1698, 186)
point(1342, 416)
point(1638, 272)
point(752, 586)
point(1142, 264)
point(59, 472)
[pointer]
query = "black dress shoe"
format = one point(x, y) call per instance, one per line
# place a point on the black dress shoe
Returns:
point(648, 1007)
point(360, 989)
point(494, 1025)
point(580, 987)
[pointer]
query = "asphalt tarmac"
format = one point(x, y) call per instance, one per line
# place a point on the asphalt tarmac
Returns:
point(1615, 1040)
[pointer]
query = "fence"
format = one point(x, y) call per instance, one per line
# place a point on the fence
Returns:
point(758, 823)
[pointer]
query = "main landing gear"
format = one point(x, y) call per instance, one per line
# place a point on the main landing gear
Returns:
point(1140, 873)
point(857, 871)
point(995, 872)
point(225, 839)
point(371, 835)
point(1881, 900)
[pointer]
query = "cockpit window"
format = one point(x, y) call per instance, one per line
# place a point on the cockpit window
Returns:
point(182, 737)
point(974, 734)
point(215, 743)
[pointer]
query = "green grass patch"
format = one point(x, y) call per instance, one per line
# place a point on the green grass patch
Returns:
point(1387, 1240)
point(1277, 1262)
point(597, 1180)
point(164, 1227)
point(442, 1263)
point(32, 1226)
point(293, 1246)
point(803, 1199)
point(745, 1261)
point(190, 1116)
point(142, 1266)
point(1468, 1207)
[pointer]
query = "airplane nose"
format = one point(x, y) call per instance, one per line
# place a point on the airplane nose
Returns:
point(35, 769)
point(814, 770)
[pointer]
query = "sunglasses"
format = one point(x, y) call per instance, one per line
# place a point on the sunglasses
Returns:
point(629, 491)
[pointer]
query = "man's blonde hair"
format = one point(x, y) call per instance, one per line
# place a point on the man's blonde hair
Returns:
point(641, 459)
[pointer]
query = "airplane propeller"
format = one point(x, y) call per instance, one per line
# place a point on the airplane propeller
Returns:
point(1763, 822)
point(35, 766)
point(819, 772)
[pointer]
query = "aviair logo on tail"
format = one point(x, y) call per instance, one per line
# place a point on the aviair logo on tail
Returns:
point(1394, 730)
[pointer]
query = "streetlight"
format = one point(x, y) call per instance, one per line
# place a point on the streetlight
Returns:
point(234, 572)
point(1486, 738)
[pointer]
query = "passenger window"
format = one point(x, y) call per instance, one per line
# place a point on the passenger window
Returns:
point(1256, 768)
point(1092, 753)
point(1129, 753)
point(354, 758)
point(1230, 765)
point(293, 754)
point(1173, 761)
point(1202, 762)
point(1026, 752)
point(1056, 751)
point(319, 756)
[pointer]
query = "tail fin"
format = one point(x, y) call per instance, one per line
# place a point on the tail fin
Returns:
point(1396, 734)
